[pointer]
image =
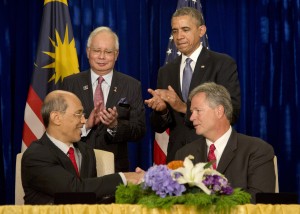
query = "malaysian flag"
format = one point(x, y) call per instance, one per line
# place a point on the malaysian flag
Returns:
point(162, 139)
point(56, 59)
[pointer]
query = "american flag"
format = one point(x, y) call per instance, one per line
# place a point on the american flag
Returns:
point(56, 58)
point(162, 139)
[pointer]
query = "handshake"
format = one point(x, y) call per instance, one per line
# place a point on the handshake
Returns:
point(136, 177)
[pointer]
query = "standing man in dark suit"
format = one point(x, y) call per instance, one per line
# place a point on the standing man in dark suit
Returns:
point(170, 105)
point(247, 162)
point(47, 166)
point(120, 117)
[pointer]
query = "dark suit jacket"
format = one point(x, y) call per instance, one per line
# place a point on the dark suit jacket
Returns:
point(131, 116)
point(210, 67)
point(46, 170)
point(247, 162)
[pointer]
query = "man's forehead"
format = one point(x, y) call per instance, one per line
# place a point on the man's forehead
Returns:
point(74, 102)
point(197, 98)
point(183, 19)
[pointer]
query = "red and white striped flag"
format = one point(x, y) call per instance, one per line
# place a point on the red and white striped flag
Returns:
point(56, 58)
point(161, 140)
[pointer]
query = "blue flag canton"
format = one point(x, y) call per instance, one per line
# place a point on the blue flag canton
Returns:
point(172, 51)
point(56, 53)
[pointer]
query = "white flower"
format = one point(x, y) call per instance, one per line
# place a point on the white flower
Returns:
point(192, 175)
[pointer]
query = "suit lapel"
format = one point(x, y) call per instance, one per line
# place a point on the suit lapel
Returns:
point(63, 158)
point(84, 165)
point(228, 153)
point(115, 90)
point(86, 91)
point(200, 68)
point(200, 148)
point(175, 79)
point(203, 150)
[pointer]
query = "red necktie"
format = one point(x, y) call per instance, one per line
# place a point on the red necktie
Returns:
point(211, 156)
point(98, 96)
point(72, 158)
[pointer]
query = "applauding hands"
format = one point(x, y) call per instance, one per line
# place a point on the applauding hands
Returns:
point(162, 97)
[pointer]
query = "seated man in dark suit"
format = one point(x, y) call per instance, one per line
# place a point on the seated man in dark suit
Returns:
point(49, 166)
point(246, 161)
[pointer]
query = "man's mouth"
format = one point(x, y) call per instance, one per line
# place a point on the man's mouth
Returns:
point(101, 64)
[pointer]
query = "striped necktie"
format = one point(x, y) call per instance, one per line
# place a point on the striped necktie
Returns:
point(98, 96)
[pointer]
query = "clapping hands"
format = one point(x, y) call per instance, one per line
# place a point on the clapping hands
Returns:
point(107, 117)
point(162, 97)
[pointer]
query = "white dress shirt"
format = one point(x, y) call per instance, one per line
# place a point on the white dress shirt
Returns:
point(105, 84)
point(220, 144)
point(194, 57)
point(65, 149)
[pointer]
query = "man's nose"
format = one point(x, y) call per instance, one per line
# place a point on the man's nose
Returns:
point(83, 120)
point(101, 54)
point(180, 34)
point(192, 117)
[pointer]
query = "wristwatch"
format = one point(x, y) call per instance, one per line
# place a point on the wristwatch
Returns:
point(112, 131)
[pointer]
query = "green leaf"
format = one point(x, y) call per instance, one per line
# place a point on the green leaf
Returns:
point(134, 194)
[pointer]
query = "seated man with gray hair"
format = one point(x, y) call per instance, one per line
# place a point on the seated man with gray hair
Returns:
point(247, 162)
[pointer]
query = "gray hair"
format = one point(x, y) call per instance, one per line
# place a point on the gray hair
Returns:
point(56, 101)
point(192, 12)
point(103, 29)
point(215, 95)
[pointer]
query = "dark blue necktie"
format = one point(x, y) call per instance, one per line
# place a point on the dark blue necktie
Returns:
point(186, 79)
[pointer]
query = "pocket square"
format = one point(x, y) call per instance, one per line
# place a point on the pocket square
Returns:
point(123, 111)
point(123, 101)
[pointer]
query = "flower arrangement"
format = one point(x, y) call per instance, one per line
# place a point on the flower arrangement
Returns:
point(183, 183)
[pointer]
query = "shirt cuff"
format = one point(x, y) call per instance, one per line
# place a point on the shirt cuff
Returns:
point(84, 132)
point(165, 115)
point(112, 131)
point(123, 178)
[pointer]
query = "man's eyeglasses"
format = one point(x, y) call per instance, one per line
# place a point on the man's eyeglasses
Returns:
point(106, 52)
point(78, 115)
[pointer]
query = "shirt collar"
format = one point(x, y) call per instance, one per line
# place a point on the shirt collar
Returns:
point(221, 143)
point(62, 146)
point(194, 55)
point(107, 77)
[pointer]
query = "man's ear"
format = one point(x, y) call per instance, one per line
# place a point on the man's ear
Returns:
point(220, 111)
point(55, 117)
point(117, 54)
point(202, 29)
point(87, 52)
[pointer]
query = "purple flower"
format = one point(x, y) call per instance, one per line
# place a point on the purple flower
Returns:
point(159, 179)
point(217, 184)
